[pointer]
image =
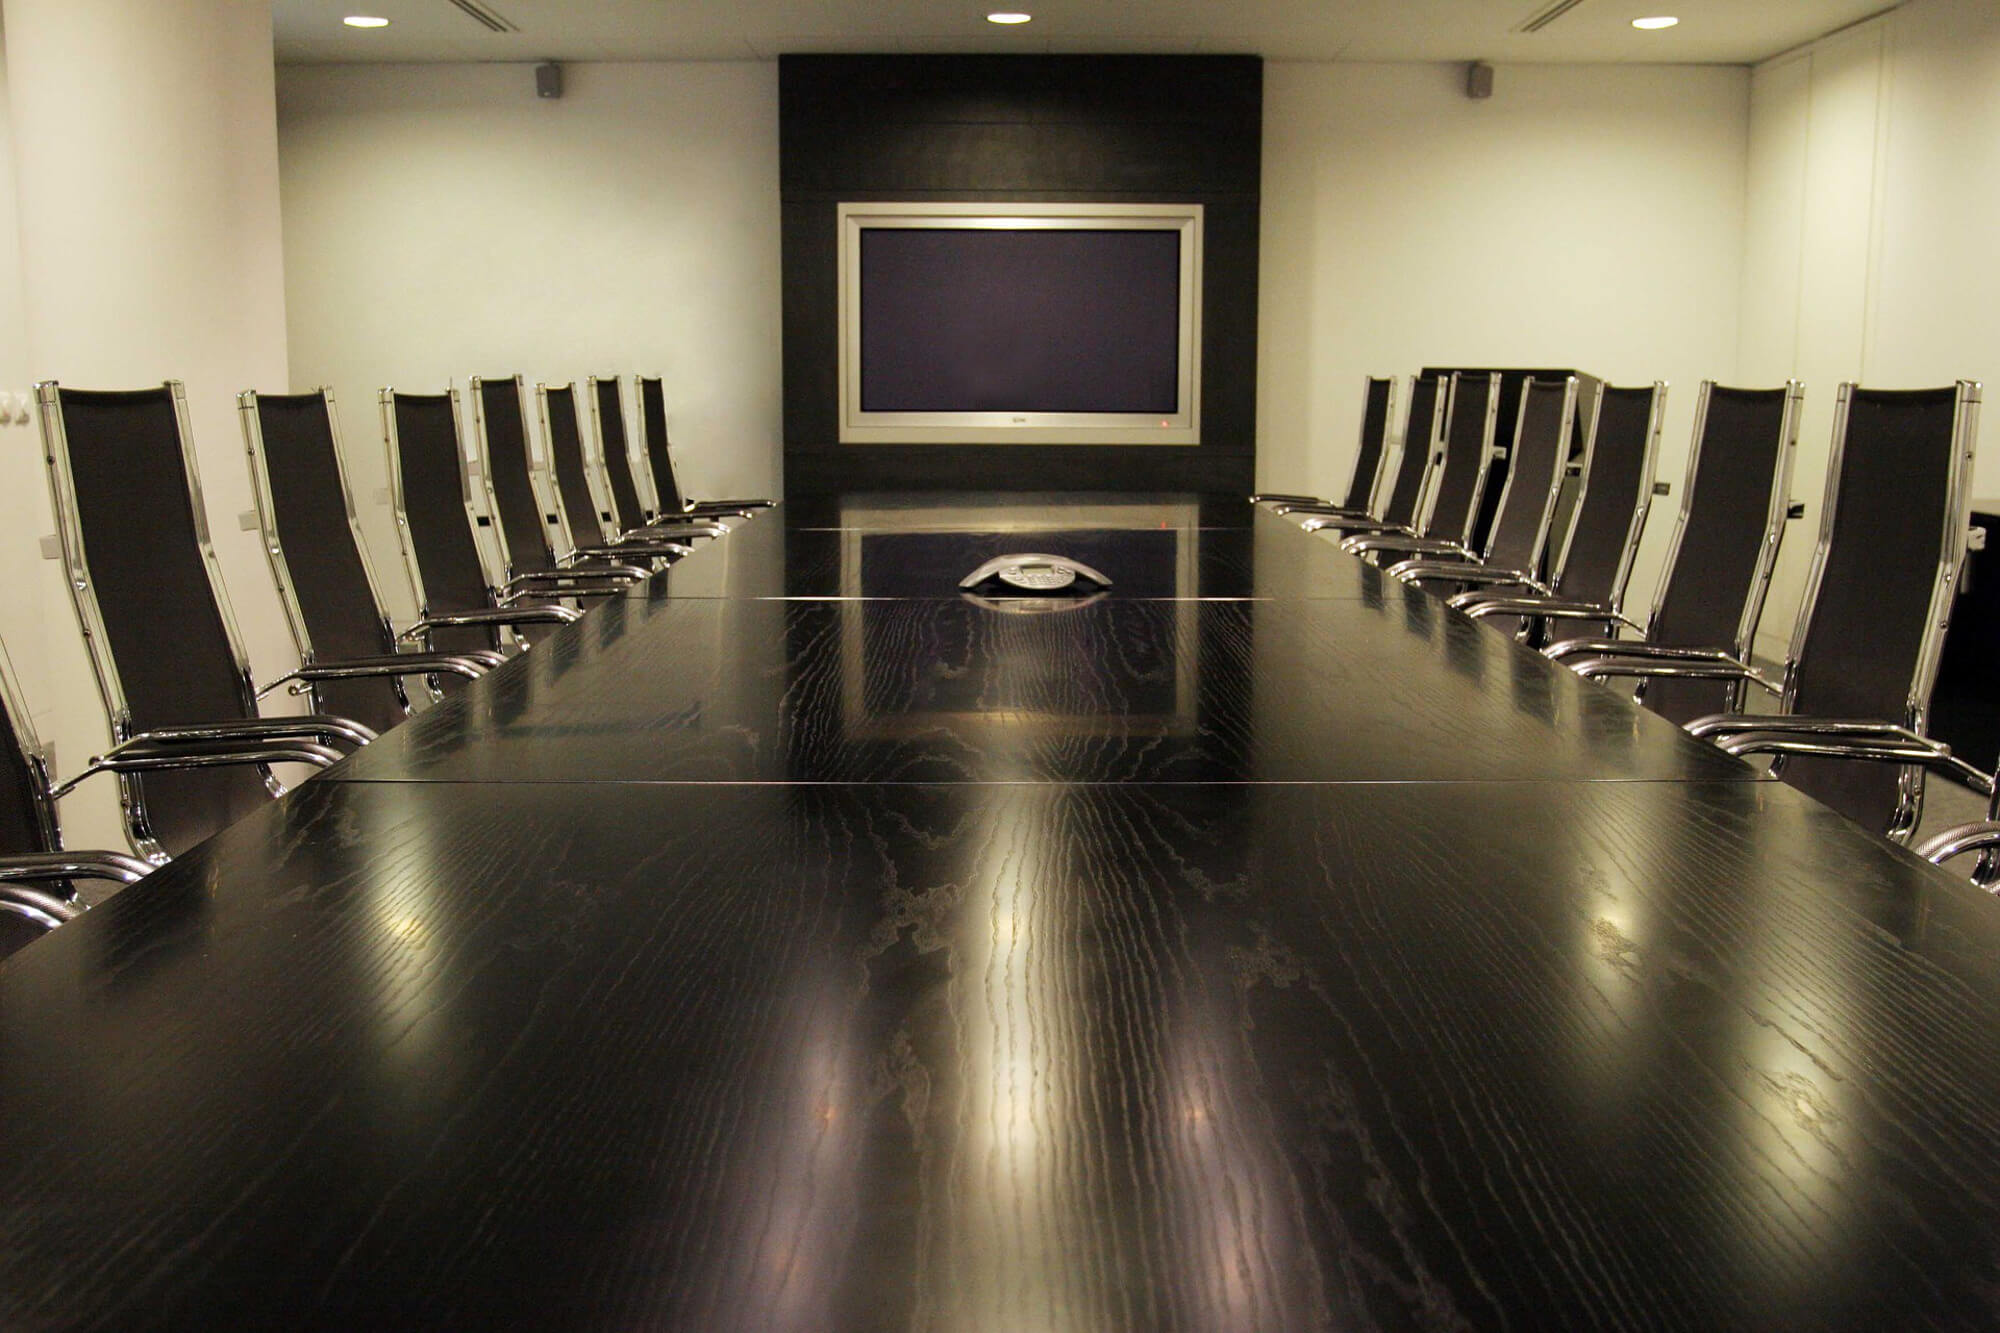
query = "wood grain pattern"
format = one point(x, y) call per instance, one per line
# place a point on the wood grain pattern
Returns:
point(1054, 1056)
point(943, 691)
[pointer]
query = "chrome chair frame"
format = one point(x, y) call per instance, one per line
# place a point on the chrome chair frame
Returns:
point(1383, 453)
point(54, 867)
point(584, 580)
point(1870, 739)
point(1422, 539)
point(1319, 517)
point(1446, 561)
point(499, 615)
point(1675, 662)
point(647, 524)
point(397, 667)
point(658, 548)
point(690, 508)
point(248, 740)
point(1545, 600)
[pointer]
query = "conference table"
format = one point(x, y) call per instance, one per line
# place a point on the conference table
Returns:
point(795, 942)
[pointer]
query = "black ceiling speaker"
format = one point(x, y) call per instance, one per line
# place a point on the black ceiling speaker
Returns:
point(1479, 80)
point(548, 79)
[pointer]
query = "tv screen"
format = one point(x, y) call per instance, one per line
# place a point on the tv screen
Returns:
point(984, 320)
point(1022, 323)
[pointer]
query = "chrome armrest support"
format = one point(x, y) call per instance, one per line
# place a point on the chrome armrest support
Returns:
point(1417, 570)
point(599, 567)
point(46, 910)
point(144, 754)
point(1397, 542)
point(1280, 498)
point(1981, 836)
point(1647, 659)
point(662, 549)
point(1489, 577)
point(392, 664)
point(32, 867)
point(728, 506)
point(492, 616)
point(1304, 506)
point(1835, 738)
point(1359, 525)
point(324, 727)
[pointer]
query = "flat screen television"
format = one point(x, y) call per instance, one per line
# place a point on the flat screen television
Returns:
point(1020, 323)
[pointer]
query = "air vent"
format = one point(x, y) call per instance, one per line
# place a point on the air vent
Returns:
point(1542, 18)
point(494, 22)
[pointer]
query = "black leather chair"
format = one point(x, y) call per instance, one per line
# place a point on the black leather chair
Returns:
point(526, 520)
point(1422, 454)
point(1544, 425)
point(191, 753)
point(1734, 504)
point(1864, 650)
point(1378, 413)
point(458, 609)
point(37, 877)
point(1614, 495)
point(659, 456)
point(1472, 404)
point(349, 663)
point(584, 513)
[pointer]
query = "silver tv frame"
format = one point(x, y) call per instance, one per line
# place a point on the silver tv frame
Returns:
point(861, 427)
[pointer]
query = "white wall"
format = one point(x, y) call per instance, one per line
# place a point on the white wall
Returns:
point(1585, 215)
point(441, 222)
point(146, 191)
point(1869, 255)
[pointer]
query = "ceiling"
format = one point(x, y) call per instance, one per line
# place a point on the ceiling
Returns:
point(1710, 31)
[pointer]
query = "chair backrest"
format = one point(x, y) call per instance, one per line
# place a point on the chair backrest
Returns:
point(1884, 574)
point(1725, 543)
point(148, 594)
point(1471, 405)
point(607, 419)
point(1614, 493)
point(1422, 435)
point(521, 513)
point(1542, 429)
point(430, 491)
point(312, 538)
point(576, 497)
point(1378, 410)
point(658, 453)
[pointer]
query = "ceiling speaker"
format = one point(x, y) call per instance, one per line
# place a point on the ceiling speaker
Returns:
point(1479, 80)
point(548, 79)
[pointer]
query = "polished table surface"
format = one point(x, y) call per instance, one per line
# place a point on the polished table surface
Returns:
point(1312, 960)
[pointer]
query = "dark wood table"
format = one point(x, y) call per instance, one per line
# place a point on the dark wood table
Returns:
point(1317, 960)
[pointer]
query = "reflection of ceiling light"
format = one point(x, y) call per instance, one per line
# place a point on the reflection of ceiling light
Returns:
point(1008, 16)
point(1663, 21)
point(365, 21)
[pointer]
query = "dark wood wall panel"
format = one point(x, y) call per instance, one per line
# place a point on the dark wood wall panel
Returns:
point(1020, 129)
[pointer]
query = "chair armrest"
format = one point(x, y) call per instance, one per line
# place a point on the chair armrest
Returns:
point(1280, 498)
point(1980, 836)
point(624, 550)
point(1354, 525)
point(1416, 570)
point(1389, 541)
point(1302, 506)
point(391, 664)
point(323, 727)
point(1835, 738)
point(46, 910)
point(581, 582)
point(35, 867)
point(1648, 659)
point(727, 506)
point(678, 532)
point(492, 616)
point(602, 567)
point(144, 755)
point(1485, 576)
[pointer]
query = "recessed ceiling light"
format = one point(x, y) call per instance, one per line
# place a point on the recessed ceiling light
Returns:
point(1008, 16)
point(365, 21)
point(1663, 21)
